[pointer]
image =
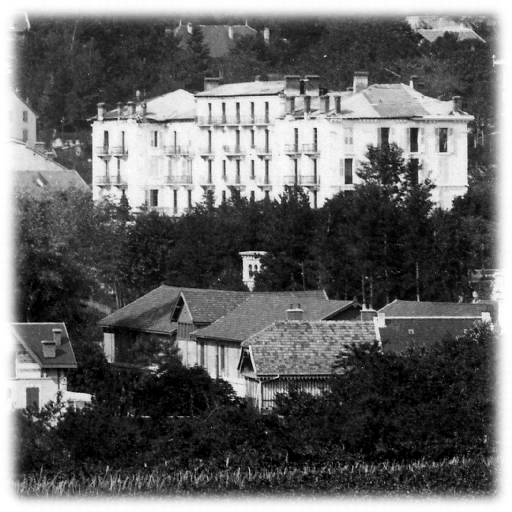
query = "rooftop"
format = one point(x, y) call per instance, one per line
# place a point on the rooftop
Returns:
point(414, 309)
point(257, 88)
point(305, 348)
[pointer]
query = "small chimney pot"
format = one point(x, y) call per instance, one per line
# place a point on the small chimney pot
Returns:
point(131, 108)
point(457, 103)
point(57, 337)
point(360, 81)
point(367, 315)
point(101, 111)
point(295, 313)
point(324, 104)
point(414, 81)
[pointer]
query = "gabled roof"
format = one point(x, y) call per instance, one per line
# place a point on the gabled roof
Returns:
point(304, 348)
point(174, 106)
point(262, 309)
point(37, 183)
point(392, 101)
point(259, 88)
point(216, 37)
point(399, 334)
point(206, 306)
point(413, 309)
point(30, 336)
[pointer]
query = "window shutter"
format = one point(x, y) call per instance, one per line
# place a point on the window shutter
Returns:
point(451, 141)
point(379, 137)
point(421, 148)
point(437, 140)
point(392, 135)
point(146, 197)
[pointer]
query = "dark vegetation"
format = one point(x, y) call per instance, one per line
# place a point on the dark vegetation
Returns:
point(423, 407)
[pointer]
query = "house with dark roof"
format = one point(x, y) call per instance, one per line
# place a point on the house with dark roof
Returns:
point(404, 324)
point(297, 353)
point(41, 358)
point(218, 344)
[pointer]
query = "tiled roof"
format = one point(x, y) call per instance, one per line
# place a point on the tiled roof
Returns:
point(260, 88)
point(176, 106)
point(38, 183)
point(216, 37)
point(206, 306)
point(462, 33)
point(393, 101)
point(30, 335)
point(405, 308)
point(262, 309)
point(305, 348)
point(403, 333)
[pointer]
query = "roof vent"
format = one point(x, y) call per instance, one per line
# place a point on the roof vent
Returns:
point(360, 81)
point(294, 313)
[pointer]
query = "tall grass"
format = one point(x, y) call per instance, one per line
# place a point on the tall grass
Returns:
point(455, 476)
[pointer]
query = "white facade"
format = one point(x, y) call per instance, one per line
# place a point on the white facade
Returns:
point(22, 120)
point(256, 138)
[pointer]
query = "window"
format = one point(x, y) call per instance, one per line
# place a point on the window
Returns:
point(189, 198)
point(32, 397)
point(238, 171)
point(25, 135)
point(383, 137)
point(223, 112)
point(237, 112)
point(415, 168)
point(267, 195)
point(153, 198)
point(266, 112)
point(25, 116)
point(315, 138)
point(209, 141)
point(253, 172)
point(315, 171)
point(223, 197)
point(296, 172)
point(252, 111)
point(224, 173)
point(315, 199)
point(105, 139)
point(348, 134)
point(210, 171)
point(123, 141)
point(296, 138)
point(222, 358)
point(414, 140)
point(154, 139)
point(175, 193)
point(267, 141)
point(348, 171)
point(201, 358)
point(443, 140)
point(252, 138)
point(252, 196)
point(267, 172)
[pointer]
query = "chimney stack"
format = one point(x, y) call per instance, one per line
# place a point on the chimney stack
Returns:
point(266, 35)
point(360, 81)
point(131, 108)
point(57, 337)
point(381, 319)
point(414, 81)
point(307, 104)
point(101, 111)
point(324, 104)
point(294, 313)
point(211, 83)
point(337, 104)
point(290, 105)
point(40, 146)
point(144, 108)
point(292, 87)
point(49, 351)
point(457, 104)
point(367, 315)
point(312, 85)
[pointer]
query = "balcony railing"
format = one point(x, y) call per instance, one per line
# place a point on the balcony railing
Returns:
point(208, 151)
point(119, 151)
point(302, 180)
point(291, 180)
point(263, 151)
point(181, 179)
point(262, 120)
point(292, 149)
point(232, 120)
point(233, 150)
point(102, 181)
point(176, 150)
point(118, 181)
point(102, 151)
point(310, 148)
point(264, 182)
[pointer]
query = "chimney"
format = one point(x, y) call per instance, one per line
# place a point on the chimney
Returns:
point(294, 313)
point(367, 315)
point(49, 351)
point(230, 32)
point(307, 104)
point(312, 85)
point(57, 337)
point(381, 319)
point(337, 104)
point(290, 105)
point(292, 87)
point(360, 81)
point(39, 146)
point(119, 109)
point(211, 83)
point(324, 104)
point(457, 103)
point(266, 35)
point(144, 108)
point(189, 28)
point(414, 81)
point(131, 108)
point(101, 111)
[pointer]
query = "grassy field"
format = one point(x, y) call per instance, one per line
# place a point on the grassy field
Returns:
point(455, 477)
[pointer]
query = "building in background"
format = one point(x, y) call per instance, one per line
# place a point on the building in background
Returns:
point(254, 139)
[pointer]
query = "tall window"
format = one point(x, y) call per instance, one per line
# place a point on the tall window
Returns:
point(25, 135)
point(267, 141)
point(349, 176)
point(237, 140)
point(25, 116)
point(315, 138)
point(222, 358)
point(223, 112)
point(348, 133)
point(210, 171)
point(201, 355)
point(315, 199)
point(296, 138)
point(238, 171)
point(414, 140)
point(267, 172)
point(189, 198)
point(209, 141)
point(223, 197)
point(153, 198)
point(105, 139)
point(383, 137)
point(315, 171)
point(122, 140)
point(267, 110)
point(175, 193)
point(237, 112)
point(224, 173)
point(443, 140)
point(252, 111)
point(415, 165)
point(253, 172)
point(252, 196)
point(209, 112)
point(154, 139)
point(252, 137)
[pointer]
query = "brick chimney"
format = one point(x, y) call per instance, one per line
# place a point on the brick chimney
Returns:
point(101, 111)
point(337, 104)
point(131, 108)
point(294, 313)
point(49, 351)
point(414, 81)
point(324, 104)
point(381, 319)
point(292, 87)
point(457, 103)
point(368, 314)
point(312, 85)
point(57, 337)
point(360, 81)
point(211, 83)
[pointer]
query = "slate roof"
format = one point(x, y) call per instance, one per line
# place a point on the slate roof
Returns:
point(216, 37)
point(262, 309)
point(260, 88)
point(37, 183)
point(399, 334)
point(30, 336)
point(174, 106)
point(405, 308)
point(304, 348)
point(391, 101)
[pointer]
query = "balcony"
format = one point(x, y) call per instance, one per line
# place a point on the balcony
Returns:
point(119, 151)
point(293, 150)
point(264, 153)
point(233, 151)
point(234, 183)
point(311, 181)
point(261, 120)
point(207, 153)
point(118, 182)
point(164, 210)
point(103, 152)
point(102, 181)
point(264, 183)
point(310, 149)
point(176, 151)
point(291, 180)
point(181, 180)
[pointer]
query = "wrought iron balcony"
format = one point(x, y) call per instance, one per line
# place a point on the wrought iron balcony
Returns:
point(176, 150)
point(103, 151)
point(118, 181)
point(119, 151)
point(292, 149)
point(310, 149)
point(102, 181)
point(233, 150)
point(179, 179)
